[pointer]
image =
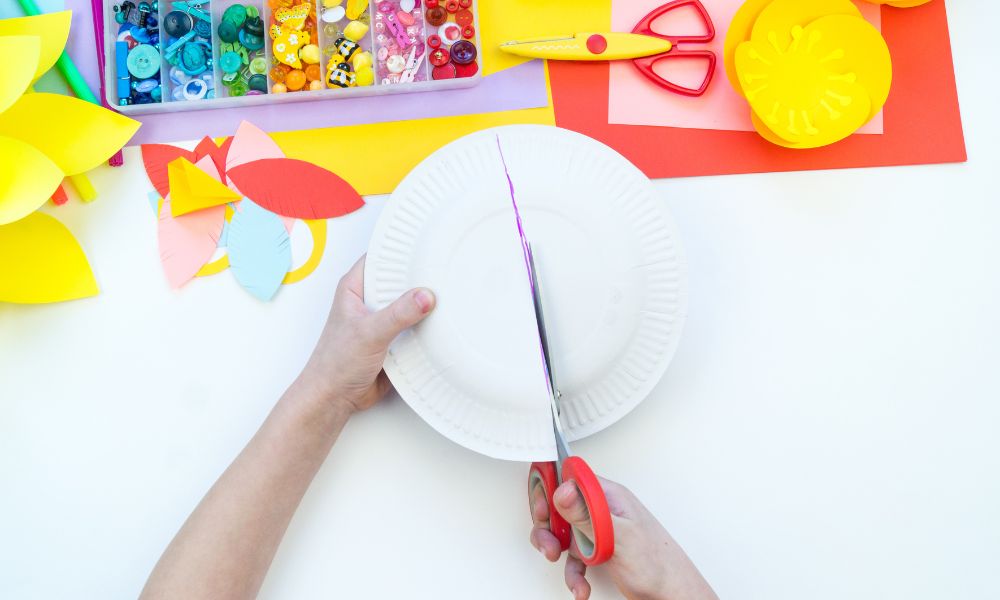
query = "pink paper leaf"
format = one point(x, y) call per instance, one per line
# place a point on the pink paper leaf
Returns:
point(188, 242)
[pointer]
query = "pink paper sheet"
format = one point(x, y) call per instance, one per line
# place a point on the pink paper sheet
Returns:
point(634, 100)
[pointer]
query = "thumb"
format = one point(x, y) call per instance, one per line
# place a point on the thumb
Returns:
point(570, 504)
point(405, 312)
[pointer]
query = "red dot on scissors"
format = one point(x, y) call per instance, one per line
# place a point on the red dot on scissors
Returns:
point(597, 44)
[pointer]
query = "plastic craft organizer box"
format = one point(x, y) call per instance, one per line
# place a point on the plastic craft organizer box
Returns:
point(216, 8)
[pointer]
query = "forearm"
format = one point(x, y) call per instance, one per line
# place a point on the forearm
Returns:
point(224, 549)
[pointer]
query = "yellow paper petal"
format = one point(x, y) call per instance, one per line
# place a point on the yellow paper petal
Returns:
point(739, 32)
point(17, 74)
point(75, 134)
point(27, 179)
point(776, 21)
point(214, 268)
point(317, 228)
point(51, 28)
point(41, 261)
point(192, 189)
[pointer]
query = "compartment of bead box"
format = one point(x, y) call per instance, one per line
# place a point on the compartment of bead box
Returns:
point(332, 49)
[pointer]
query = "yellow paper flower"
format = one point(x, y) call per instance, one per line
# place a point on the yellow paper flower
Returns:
point(813, 71)
point(43, 139)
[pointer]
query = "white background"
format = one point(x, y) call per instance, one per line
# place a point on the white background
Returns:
point(828, 429)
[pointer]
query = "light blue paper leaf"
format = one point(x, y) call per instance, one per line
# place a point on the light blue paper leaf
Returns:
point(154, 201)
point(260, 251)
point(224, 237)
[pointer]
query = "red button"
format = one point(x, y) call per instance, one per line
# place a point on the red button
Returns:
point(465, 3)
point(466, 70)
point(434, 41)
point(452, 6)
point(464, 17)
point(439, 57)
point(443, 72)
point(436, 16)
point(597, 44)
point(469, 32)
point(431, 3)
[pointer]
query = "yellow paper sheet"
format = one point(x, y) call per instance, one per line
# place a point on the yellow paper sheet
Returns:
point(41, 262)
point(507, 20)
point(75, 134)
point(410, 141)
point(27, 179)
point(51, 28)
point(192, 189)
point(17, 74)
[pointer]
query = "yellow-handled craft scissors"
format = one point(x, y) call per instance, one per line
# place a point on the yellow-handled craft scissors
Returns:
point(643, 46)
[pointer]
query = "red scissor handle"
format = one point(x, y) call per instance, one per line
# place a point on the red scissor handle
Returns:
point(645, 26)
point(599, 549)
point(544, 474)
point(592, 550)
point(645, 64)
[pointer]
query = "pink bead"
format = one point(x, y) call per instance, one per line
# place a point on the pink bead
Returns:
point(393, 77)
point(412, 30)
point(379, 26)
point(405, 18)
point(385, 6)
point(383, 53)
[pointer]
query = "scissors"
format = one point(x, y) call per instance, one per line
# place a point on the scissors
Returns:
point(644, 46)
point(566, 467)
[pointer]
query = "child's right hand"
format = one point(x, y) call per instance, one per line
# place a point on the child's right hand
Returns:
point(647, 563)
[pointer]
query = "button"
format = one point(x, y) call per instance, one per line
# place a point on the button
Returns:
point(258, 66)
point(396, 63)
point(250, 41)
point(436, 16)
point(468, 32)
point(238, 89)
point(465, 3)
point(235, 15)
point(143, 61)
point(434, 41)
point(464, 17)
point(230, 61)
point(431, 3)
point(194, 89)
point(253, 25)
point(228, 32)
point(177, 23)
point(466, 70)
point(439, 57)
point(258, 82)
point(463, 52)
point(450, 33)
point(443, 72)
point(452, 6)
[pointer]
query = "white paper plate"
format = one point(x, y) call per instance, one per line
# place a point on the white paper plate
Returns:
point(613, 287)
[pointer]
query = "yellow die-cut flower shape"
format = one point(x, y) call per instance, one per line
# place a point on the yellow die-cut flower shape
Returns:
point(827, 81)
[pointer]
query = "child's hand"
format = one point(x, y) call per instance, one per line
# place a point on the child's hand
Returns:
point(647, 563)
point(346, 366)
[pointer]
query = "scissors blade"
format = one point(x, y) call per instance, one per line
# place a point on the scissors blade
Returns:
point(562, 446)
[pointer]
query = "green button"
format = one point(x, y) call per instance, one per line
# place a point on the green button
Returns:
point(235, 14)
point(143, 61)
point(230, 62)
point(228, 32)
point(258, 66)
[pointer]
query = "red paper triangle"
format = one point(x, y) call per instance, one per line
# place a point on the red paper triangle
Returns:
point(155, 158)
point(295, 188)
point(207, 147)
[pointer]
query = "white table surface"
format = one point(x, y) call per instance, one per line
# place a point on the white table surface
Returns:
point(827, 430)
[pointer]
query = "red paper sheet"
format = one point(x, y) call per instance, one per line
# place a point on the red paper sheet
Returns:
point(922, 120)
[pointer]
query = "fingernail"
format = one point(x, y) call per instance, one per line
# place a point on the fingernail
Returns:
point(424, 299)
